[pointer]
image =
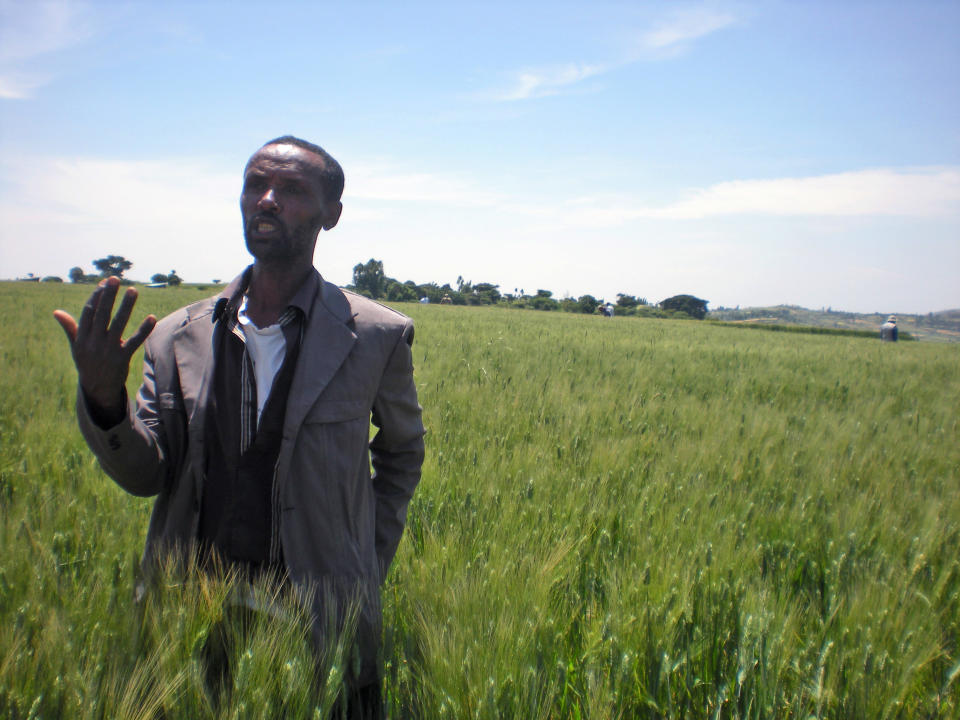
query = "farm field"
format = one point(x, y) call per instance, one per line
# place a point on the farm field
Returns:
point(618, 518)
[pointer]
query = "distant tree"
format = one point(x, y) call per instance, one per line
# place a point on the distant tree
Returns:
point(216, 281)
point(627, 301)
point(112, 265)
point(173, 278)
point(431, 291)
point(52, 278)
point(456, 297)
point(543, 302)
point(401, 292)
point(487, 293)
point(588, 304)
point(544, 293)
point(368, 278)
point(692, 306)
point(77, 275)
point(158, 278)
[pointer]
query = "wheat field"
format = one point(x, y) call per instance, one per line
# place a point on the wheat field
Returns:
point(618, 518)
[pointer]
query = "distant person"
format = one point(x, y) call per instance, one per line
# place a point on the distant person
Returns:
point(888, 331)
point(608, 310)
point(253, 420)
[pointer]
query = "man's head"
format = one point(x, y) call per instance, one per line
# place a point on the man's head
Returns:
point(291, 190)
point(331, 174)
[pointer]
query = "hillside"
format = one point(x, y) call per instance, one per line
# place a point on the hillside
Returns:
point(941, 326)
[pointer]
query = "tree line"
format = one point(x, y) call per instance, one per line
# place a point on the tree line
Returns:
point(117, 265)
point(370, 280)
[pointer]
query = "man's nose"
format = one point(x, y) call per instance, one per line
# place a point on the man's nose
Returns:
point(268, 201)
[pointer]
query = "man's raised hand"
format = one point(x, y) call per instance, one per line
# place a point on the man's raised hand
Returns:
point(101, 355)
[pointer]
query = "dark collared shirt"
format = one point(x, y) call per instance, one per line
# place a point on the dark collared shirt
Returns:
point(240, 508)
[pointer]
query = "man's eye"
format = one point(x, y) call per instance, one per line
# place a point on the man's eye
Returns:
point(252, 185)
point(292, 189)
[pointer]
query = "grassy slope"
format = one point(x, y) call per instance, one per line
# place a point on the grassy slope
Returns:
point(618, 518)
point(933, 327)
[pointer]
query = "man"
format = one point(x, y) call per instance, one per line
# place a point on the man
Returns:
point(888, 331)
point(252, 423)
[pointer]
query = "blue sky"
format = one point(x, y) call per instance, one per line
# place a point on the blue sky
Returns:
point(749, 153)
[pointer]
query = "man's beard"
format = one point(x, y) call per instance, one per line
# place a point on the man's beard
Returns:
point(285, 247)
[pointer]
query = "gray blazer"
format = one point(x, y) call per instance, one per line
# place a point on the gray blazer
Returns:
point(339, 524)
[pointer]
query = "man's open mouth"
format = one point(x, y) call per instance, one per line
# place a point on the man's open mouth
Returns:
point(264, 226)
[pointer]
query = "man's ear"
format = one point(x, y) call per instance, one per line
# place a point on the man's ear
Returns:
point(332, 214)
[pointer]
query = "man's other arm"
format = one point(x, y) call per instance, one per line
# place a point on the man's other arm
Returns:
point(397, 449)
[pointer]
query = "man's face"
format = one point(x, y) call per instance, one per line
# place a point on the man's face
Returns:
point(283, 204)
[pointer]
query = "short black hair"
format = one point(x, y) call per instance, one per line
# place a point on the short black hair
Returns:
point(331, 177)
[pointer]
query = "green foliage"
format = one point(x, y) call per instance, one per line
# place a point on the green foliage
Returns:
point(369, 280)
point(643, 519)
point(112, 265)
point(77, 276)
point(482, 294)
point(630, 301)
point(687, 304)
point(170, 278)
point(588, 304)
point(401, 292)
point(542, 302)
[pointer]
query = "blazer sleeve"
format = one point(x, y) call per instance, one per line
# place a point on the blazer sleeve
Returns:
point(132, 452)
point(397, 449)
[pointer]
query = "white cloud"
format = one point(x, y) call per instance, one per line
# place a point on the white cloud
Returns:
point(161, 214)
point(380, 182)
point(84, 190)
point(183, 214)
point(925, 192)
point(14, 86)
point(918, 192)
point(667, 39)
point(548, 81)
point(684, 26)
point(30, 31)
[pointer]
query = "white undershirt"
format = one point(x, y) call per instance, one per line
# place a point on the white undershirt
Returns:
point(267, 348)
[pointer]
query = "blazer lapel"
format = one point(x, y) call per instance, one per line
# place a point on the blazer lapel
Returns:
point(327, 341)
point(193, 348)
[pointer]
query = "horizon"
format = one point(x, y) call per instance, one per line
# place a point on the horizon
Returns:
point(827, 309)
point(751, 154)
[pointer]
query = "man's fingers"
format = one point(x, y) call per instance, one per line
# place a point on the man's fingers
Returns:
point(136, 340)
point(68, 324)
point(123, 313)
point(89, 309)
point(101, 317)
